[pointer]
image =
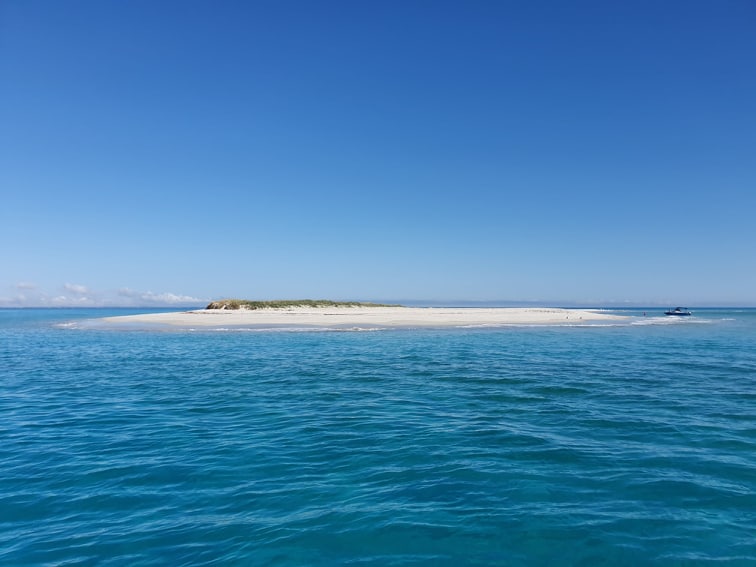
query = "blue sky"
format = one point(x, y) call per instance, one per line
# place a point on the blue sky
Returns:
point(559, 152)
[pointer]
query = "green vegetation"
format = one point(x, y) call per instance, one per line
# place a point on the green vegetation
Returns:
point(284, 303)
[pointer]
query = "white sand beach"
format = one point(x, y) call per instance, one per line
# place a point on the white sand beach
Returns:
point(365, 317)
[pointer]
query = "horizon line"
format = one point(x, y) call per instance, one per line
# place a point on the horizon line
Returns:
point(436, 303)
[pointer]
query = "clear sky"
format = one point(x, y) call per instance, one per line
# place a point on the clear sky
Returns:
point(159, 152)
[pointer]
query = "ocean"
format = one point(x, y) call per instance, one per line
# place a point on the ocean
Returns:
point(620, 444)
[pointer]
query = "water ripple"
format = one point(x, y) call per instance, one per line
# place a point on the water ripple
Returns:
point(622, 446)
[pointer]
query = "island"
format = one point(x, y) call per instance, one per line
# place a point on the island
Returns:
point(288, 303)
point(338, 315)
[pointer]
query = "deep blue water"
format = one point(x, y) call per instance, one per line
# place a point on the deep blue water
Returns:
point(618, 445)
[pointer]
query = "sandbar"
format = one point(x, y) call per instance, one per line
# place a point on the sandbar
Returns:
point(365, 317)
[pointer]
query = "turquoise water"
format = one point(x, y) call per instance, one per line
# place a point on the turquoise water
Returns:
point(613, 445)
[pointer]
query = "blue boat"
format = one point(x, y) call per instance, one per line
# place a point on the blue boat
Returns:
point(679, 312)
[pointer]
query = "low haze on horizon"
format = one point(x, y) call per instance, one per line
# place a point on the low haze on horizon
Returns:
point(171, 153)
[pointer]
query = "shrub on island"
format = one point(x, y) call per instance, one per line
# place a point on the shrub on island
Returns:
point(286, 303)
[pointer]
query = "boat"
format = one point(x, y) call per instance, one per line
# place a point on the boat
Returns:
point(679, 312)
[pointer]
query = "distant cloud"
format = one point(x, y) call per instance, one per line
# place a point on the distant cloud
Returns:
point(66, 301)
point(144, 298)
point(78, 295)
point(76, 289)
point(24, 294)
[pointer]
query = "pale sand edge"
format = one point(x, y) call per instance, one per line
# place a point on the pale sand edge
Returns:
point(385, 317)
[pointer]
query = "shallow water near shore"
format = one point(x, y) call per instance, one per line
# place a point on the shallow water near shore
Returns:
point(622, 444)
